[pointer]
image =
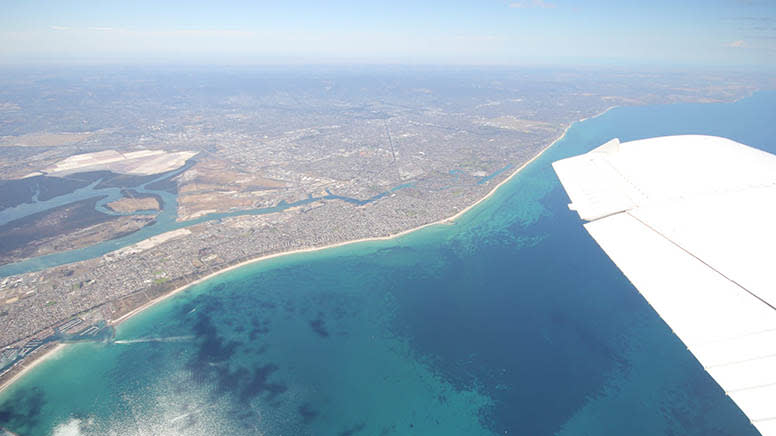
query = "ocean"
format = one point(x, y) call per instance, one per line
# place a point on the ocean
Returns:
point(509, 321)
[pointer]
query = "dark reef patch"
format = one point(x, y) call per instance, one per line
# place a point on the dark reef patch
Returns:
point(210, 363)
point(23, 409)
point(259, 328)
point(319, 326)
point(307, 413)
point(212, 349)
point(260, 383)
point(353, 430)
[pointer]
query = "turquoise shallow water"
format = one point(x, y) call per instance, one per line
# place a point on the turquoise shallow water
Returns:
point(510, 321)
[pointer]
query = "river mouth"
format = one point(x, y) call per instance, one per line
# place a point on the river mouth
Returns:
point(102, 188)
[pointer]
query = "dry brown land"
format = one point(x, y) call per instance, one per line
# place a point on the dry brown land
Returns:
point(95, 234)
point(43, 139)
point(513, 123)
point(129, 205)
point(213, 185)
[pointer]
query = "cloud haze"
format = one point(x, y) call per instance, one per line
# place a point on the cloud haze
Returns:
point(660, 32)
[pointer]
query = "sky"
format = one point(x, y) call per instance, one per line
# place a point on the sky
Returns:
point(722, 33)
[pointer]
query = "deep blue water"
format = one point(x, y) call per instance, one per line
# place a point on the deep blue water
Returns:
point(510, 321)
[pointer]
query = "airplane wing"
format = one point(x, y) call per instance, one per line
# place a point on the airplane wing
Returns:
point(691, 222)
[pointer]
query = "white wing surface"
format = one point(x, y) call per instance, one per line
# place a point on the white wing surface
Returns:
point(691, 222)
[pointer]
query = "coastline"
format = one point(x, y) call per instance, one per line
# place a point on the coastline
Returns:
point(32, 364)
point(450, 220)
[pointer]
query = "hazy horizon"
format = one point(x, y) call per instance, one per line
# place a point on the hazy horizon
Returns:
point(721, 33)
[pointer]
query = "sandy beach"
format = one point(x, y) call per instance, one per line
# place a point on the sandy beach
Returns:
point(26, 366)
point(445, 221)
point(449, 220)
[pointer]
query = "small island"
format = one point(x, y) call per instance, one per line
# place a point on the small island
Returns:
point(134, 204)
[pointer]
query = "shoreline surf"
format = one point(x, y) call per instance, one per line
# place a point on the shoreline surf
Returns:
point(32, 364)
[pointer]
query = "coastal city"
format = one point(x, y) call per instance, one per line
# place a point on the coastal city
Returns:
point(237, 176)
point(363, 218)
